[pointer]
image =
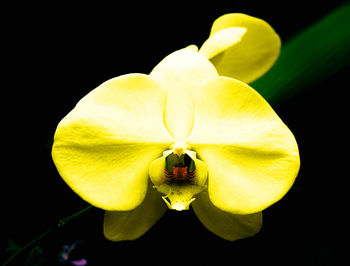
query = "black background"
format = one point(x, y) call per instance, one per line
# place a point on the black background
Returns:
point(53, 55)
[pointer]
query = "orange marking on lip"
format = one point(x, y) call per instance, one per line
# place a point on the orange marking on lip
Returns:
point(180, 173)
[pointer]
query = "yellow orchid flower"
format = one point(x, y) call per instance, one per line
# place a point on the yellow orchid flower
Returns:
point(130, 146)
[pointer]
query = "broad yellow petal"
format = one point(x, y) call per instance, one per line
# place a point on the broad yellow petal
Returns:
point(252, 156)
point(103, 147)
point(130, 225)
point(245, 56)
point(226, 225)
point(180, 74)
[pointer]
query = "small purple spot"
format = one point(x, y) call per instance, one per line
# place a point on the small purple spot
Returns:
point(64, 255)
point(80, 262)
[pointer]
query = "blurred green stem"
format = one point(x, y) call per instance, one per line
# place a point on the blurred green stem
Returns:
point(59, 224)
point(310, 57)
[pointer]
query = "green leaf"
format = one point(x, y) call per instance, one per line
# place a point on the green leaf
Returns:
point(310, 57)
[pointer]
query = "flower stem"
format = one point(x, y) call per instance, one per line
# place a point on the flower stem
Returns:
point(59, 224)
point(62, 222)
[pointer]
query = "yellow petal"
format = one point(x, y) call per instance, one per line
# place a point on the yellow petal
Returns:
point(192, 48)
point(156, 171)
point(180, 73)
point(130, 225)
point(221, 41)
point(226, 225)
point(103, 147)
point(247, 59)
point(252, 156)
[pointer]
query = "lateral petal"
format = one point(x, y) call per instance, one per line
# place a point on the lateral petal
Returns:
point(103, 147)
point(252, 156)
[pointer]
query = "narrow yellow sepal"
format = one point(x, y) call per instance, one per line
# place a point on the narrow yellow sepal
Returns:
point(226, 225)
point(180, 74)
point(130, 225)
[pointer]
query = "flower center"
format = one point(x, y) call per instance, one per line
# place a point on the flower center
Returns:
point(179, 147)
point(179, 168)
point(179, 180)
